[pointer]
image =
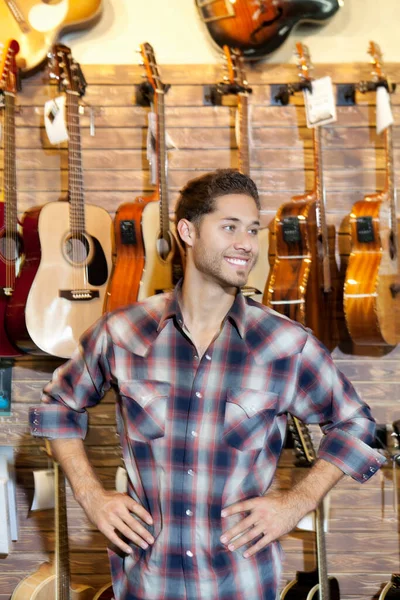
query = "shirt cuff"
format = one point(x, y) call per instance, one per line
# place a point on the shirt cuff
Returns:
point(350, 455)
point(54, 421)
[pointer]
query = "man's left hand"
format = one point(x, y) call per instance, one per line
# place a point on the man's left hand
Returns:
point(273, 516)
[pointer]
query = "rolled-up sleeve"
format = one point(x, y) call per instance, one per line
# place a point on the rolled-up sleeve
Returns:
point(325, 396)
point(76, 385)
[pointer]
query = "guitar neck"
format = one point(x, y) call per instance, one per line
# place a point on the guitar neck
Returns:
point(319, 189)
point(62, 547)
point(161, 152)
point(243, 142)
point(10, 180)
point(75, 173)
point(321, 553)
point(390, 186)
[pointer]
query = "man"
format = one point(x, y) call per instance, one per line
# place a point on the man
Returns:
point(205, 379)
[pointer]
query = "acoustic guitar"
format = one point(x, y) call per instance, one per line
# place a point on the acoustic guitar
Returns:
point(10, 240)
point(303, 282)
point(316, 584)
point(74, 242)
point(52, 580)
point(258, 27)
point(148, 255)
point(38, 24)
point(372, 286)
point(237, 83)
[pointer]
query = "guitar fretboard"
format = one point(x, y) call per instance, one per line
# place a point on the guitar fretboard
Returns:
point(321, 209)
point(244, 152)
point(161, 162)
point(75, 174)
point(62, 547)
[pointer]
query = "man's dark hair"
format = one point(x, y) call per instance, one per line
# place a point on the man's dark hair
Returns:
point(198, 196)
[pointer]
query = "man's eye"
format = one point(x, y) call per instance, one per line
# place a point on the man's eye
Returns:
point(229, 227)
point(253, 231)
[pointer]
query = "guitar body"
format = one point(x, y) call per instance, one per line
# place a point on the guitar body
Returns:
point(9, 253)
point(369, 306)
point(258, 30)
point(139, 271)
point(15, 319)
point(306, 587)
point(37, 24)
point(295, 283)
point(67, 297)
point(391, 591)
point(106, 593)
point(41, 585)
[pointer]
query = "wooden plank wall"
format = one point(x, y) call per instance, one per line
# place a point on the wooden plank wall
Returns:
point(363, 542)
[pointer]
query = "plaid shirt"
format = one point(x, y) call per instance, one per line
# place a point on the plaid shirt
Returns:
point(199, 434)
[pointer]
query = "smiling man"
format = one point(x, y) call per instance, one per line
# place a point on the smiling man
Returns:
point(205, 379)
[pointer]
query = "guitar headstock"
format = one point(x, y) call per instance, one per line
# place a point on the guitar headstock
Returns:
point(235, 65)
point(65, 71)
point(304, 63)
point(303, 444)
point(151, 67)
point(376, 59)
point(8, 66)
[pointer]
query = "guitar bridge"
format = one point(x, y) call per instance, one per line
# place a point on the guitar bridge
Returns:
point(205, 8)
point(79, 295)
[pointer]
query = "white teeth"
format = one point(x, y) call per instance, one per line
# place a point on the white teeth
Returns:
point(236, 261)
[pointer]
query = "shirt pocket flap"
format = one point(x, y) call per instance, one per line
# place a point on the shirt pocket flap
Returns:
point(253, 401)
point(145, 406)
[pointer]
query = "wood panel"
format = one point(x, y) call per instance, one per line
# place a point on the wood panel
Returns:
point(363, 538)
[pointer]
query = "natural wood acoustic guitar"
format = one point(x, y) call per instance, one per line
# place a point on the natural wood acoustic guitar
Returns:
point(258, 27)
point(372, 285)
point(148, 255)
point(52, 581)
point(304, 280)
point(236, 83)
point(38, 24)
point(52, 307)
point(316, 584)
point(10, 239)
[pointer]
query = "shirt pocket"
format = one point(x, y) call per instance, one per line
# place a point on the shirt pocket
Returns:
point(248, 417)
point(144, 406)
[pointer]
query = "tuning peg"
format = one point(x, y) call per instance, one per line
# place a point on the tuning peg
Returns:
point(141, 64)
point(225, 78)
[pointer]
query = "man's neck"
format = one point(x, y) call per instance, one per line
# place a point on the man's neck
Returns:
point(204, 303)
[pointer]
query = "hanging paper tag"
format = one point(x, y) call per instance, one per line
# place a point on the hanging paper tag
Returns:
point(384, 116)
point(151, 145)
point(44, 489)
point(307, 523)
point(54, 120)
point(121, 481)
point(320, 105)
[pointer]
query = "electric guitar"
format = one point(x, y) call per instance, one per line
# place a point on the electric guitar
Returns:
point(10, 240)
point(237, 83)
point(54, 580)
point(258, 27)
point(372, 286)
point(303, 282)
point(311, 585)
point(148, 255)
point(75, 242)
point(37, 24)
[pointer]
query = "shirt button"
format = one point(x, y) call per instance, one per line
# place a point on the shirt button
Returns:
point(189, 513)
point(208, 357)
point(188, 553)
point(194, 433)
point(180, 321)
point(196, 357)
point(199, 395)
point(372, 469)
point(365, 476)
point(191, 472)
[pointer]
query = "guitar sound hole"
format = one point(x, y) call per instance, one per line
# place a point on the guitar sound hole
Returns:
point(77, 249)
point(8, 249)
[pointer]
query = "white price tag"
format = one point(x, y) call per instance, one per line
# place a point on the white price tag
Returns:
point(384, 116)
point(54, 120)
point(44, 489)
point(320, 105)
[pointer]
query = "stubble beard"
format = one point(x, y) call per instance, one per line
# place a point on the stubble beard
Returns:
point(212, 265)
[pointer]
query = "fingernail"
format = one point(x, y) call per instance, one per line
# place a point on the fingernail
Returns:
point(144, 545)
point(246, 555)
point(231, 547)
point(224, 539)
point(223, 513)
point(129, 551)
point(150, 521)
point(150, 540)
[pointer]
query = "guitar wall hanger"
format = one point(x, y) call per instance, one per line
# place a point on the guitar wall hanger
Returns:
point(213, 94)
point(280, 94)
point(144, 93)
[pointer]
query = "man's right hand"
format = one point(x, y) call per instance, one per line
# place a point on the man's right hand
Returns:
point(111, 512)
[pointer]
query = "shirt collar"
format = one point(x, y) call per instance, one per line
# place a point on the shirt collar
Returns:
point(236, 314)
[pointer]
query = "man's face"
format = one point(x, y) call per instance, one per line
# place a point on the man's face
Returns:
point(226, 241)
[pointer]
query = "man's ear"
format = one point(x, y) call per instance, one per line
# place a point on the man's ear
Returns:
point(186, 231)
